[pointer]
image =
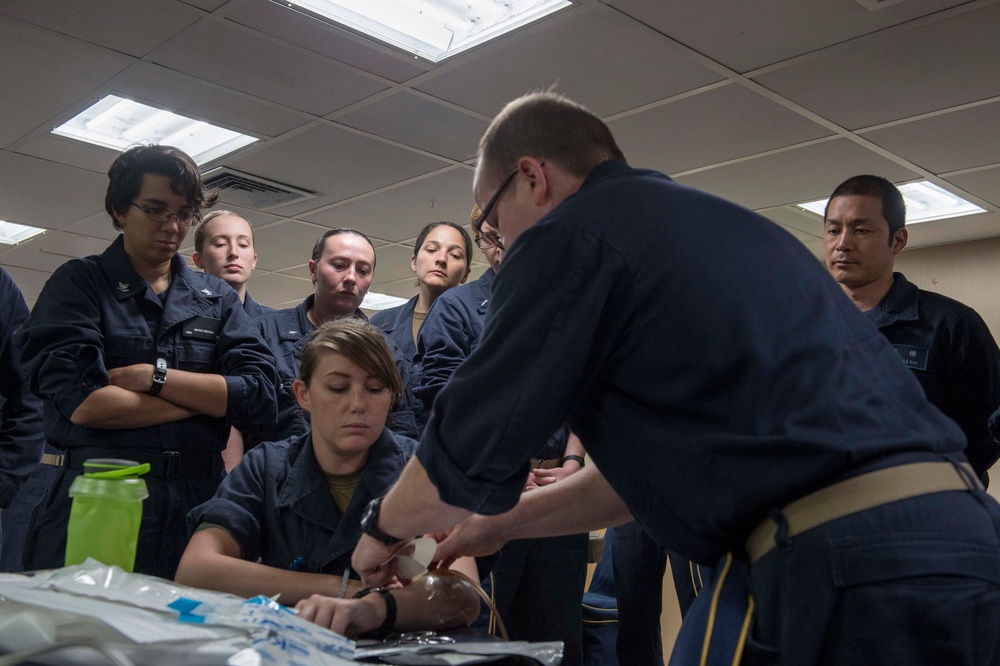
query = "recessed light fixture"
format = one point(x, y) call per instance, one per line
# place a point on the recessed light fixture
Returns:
point(924, 200)
point(376, 301)
point(432, 29)
point(117, 123)
point(12, 234)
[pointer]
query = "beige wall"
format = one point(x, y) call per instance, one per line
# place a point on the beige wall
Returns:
point(968, 272)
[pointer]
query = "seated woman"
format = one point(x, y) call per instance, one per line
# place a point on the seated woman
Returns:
point(287, 518)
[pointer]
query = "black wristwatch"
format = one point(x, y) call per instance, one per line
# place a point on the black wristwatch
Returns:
point(389, 622)
point(369, 523)
point(159, 376)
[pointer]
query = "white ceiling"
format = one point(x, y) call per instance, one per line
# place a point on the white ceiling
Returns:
point(767, 103)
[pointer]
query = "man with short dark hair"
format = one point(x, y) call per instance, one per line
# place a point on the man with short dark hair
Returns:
point(732, 398)
point(342, 268)
point(945, 343)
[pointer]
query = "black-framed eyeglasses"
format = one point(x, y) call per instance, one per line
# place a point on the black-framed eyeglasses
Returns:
point(485, 242)
point(490, 205)
point(161, 215)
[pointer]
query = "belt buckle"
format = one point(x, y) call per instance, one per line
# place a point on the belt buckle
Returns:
point(536, 463)
point(173, 464)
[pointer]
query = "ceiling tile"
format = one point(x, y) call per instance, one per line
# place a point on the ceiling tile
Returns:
point(63, 150)
point(285, 244)
point(421, 123)
point(405, 288)
point(252, 64)
point(334, 163)
point(197, 99)
point(61, 72)
point(984, 184)
point(134, 27)
point(937, 66)
point(98, 225)
point(791, 176)
point(392, 262)
point(270, 288)
point(298, 271)
point(207, 5)
point(256, 218)
point(747, 35)
point(948, 142)
point(803, 225)
point(584, 56)
point(28, 280)
point(32, 255)
point(26, 192)
point(326, 39)
point(939, 232)
point(743, 123)
point(400, 213)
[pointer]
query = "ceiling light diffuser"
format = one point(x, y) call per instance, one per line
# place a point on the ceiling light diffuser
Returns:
point(375, 301)
point(924, 201)
point(12, 234)
point(117, 123)
point(431, 29)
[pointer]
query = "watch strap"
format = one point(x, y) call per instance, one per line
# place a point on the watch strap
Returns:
point(369, 523)
point(159, 376)
point(389, 622)
point(578, 459)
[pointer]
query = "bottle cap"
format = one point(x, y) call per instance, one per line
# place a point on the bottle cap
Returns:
point(111, 478)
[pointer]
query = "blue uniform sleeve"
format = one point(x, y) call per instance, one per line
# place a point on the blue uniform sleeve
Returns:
point(21, 438)
point(62, 346)
point(442, 344)
point(239, 505)
point(551, 297)
point(246, 363)
point(974, 386)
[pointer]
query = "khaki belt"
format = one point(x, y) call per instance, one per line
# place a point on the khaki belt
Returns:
point(546, 463)
point(860, 493)
point(54, 459)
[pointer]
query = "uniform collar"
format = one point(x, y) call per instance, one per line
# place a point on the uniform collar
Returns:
point(900, 303)
point(306, 493)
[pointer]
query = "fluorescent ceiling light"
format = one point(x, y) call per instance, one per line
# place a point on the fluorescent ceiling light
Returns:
point(117, 123)
point(432, 29)
point(376, 301)
point(924, 201)
point(12, 234)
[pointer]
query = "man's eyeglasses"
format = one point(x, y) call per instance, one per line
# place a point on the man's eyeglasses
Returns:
point(161, 216)
point(490, 205)
point(485, 242)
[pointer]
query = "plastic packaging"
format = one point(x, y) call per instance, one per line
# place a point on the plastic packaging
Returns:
point(107, 509)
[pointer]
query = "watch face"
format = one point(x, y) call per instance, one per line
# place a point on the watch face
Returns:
point(369, 517)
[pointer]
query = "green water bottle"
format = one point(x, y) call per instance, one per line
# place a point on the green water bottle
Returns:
point(107, 509)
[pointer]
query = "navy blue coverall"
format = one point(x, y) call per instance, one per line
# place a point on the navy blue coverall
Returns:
point(97, 313)
point(715, 373)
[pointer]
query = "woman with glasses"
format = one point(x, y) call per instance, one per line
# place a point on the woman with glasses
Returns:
point(136, 357)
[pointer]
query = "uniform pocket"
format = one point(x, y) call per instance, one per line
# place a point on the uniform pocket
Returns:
point(196, 356)
point(940, 595)
point(123, 350)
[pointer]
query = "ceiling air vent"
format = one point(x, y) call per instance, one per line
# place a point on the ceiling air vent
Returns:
point(242, 189)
